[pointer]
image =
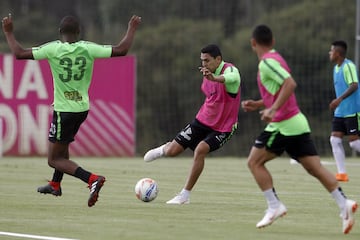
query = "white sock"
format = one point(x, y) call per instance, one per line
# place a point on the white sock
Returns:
point(271, 198)
point(161, 150)
point(185, 193)
point(338, 153)
point(339, 197)
point(355, 145)
point(154, 153)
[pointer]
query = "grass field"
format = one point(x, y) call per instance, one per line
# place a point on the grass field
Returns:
point(225, 204)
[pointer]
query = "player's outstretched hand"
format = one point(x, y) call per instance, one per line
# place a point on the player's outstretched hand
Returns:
point(134, 21)
point(207, 73)
point(249, 105)
point(7, 24)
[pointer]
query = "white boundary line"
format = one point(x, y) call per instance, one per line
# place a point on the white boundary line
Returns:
point(294, 162)
point(32, 236)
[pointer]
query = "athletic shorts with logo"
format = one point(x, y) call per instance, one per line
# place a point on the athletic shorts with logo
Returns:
point(195, 132)
point(346, 125)
point(65, 125)
point(296, 146)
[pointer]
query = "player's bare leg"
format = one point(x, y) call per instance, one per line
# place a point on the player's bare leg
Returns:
point(347, 206)
point(198, 165)
point(256, 163)
point(58, 158)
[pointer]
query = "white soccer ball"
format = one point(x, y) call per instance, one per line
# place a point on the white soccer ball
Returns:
point(146, 189)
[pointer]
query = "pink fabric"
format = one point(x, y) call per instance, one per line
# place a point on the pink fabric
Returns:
point(220, 110)
point(26, 94)
point(290, 107)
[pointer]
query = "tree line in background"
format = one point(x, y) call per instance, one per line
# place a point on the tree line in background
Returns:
point(168, 46)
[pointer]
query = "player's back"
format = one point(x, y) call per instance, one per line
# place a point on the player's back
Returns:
point(71, 66)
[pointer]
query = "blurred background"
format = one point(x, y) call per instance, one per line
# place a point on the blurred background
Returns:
point(167, 49)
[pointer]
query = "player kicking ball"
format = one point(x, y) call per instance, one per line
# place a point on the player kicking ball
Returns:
point(287, 130)
point(215, 122)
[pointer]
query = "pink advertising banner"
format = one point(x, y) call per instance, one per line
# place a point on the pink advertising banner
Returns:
point(26, 94)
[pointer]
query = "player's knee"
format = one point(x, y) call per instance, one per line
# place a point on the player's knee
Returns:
point(352, 144)
point(252, 163)
point(249, 164)
point(355, 145)
point(202, 149)
point(335, 141)
point(51, 162)
point(173, 149)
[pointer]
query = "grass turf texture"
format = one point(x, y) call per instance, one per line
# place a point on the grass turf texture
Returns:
point(225, 204)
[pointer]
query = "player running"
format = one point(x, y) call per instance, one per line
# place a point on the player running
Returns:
point(287, 130)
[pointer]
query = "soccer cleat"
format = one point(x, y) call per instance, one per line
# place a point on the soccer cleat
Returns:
point(154, 154)
point(95, 187)
point(271, 215)
point(179, 199)
point(50, 189)
point(348, 215)
point(342, 177)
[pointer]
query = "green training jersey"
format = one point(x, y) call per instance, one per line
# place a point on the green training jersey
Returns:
point(295, 125)
point(288, 120)
point(71, 67)
point(231, 76)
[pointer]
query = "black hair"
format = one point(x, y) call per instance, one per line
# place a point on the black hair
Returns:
point(69, 24)
point(263, 35)
point(212, 49)
point(341, 47)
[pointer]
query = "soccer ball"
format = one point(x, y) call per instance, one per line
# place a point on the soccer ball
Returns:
point(146, 189)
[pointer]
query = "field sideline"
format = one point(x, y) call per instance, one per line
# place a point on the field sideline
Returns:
point(225, 204)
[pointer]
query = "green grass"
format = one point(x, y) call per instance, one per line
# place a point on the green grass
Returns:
point(225, 204)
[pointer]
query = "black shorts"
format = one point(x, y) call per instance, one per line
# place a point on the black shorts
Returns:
point(65, 125)
point(195, 132)
point(348, 125)
point(296, 146)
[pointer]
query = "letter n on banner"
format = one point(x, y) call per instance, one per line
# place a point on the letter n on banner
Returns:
point(26, 94)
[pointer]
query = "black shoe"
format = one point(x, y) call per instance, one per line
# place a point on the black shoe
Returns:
point(49, 189)
point(95, 187)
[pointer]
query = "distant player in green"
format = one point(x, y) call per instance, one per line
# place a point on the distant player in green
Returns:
point(346, 106)
point(287, 131)
point(71, 62)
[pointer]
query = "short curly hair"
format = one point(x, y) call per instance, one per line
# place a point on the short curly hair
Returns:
point(69, 24)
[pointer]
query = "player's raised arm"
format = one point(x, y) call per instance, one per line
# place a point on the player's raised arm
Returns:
point(124, 45)
point(16, 48)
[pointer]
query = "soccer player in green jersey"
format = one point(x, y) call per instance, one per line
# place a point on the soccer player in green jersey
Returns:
point(71, 61)
point(287, 131)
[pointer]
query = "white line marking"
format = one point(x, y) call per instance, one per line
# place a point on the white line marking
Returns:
point(294, 162)
point(32, 236)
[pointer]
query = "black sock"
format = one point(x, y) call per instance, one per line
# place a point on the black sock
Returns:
point(82, 174)
point(57, 176)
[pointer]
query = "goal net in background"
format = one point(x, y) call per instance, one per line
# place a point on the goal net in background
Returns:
point(169, 84)
point(167, 49)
